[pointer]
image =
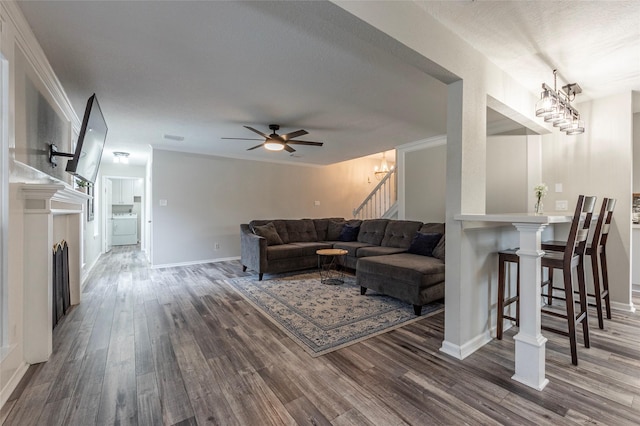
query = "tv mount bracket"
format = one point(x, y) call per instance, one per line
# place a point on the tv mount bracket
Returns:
point(53, 153)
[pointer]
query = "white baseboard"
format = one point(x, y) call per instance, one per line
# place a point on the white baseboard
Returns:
point(86, 271)
point(195, 262)
point(625, 307)
point(463, 351)
point(13, 382)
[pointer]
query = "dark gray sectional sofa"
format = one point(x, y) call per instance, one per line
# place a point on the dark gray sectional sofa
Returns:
point(382, 252)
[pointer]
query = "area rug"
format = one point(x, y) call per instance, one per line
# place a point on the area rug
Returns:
point(323, 318)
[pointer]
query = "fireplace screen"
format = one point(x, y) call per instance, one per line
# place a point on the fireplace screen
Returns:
point(61, 296)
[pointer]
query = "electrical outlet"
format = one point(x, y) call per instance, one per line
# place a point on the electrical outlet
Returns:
point(163, 203)
point(562, 205)
point(316, 203)
point(217, 246)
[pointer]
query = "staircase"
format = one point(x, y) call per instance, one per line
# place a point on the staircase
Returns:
point(382, 202)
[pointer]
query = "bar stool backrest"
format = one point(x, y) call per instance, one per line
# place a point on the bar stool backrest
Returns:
point(597, 232)
point(611, 204)
point(577, 240)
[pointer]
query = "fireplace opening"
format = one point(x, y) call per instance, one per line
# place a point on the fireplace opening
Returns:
point(61, 295)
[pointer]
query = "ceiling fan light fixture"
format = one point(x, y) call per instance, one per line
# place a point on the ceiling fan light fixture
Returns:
point(273, 145)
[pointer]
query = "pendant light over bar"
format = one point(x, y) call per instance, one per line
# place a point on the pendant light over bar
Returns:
point(555, 107)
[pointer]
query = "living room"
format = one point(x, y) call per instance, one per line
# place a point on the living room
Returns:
point(600, 162)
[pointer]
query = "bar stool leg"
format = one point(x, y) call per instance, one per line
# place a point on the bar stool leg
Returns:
point(605, 282)
point(571, 317)
point(596, 286)
point(501, 273)
point(584, 316)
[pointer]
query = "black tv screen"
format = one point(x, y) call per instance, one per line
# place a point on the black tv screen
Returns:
point(93, 133)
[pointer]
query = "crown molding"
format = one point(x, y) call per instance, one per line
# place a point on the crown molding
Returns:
point(26, 40)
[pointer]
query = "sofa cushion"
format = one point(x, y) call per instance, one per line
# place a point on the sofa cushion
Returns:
point(438, 251)
point(400, 233)
point(301, 230)
point(413, 269)
point(334, 228)
point(423, 243)
point(322, 226)
point(293, 250)
point(269, 232)
point(351, 247)
point(372, 231)
point(378, 251)
point(349, 233)
point(281, 227)
point(433, 227)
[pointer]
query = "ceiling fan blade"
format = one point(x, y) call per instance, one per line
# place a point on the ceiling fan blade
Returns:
point(243, 139)
point(306, 143)
point(288, 148)
point(257, 131)
point(295, 134)
point(254, 147)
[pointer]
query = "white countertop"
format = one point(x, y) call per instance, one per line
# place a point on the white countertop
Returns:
point(549, 217)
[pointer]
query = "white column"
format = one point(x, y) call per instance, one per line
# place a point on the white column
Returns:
point(38, 333)
point(530, 344)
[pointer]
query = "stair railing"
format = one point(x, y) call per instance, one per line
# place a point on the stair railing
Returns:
point(381, 199)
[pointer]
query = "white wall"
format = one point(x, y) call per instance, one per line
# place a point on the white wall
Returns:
point(507, 186)
point(425, 178)
point(209, 197)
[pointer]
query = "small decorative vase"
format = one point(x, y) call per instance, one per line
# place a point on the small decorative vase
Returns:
point(539, 207)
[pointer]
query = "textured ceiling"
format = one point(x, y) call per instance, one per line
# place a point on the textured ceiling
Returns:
point(593, 43)
point(202, 70)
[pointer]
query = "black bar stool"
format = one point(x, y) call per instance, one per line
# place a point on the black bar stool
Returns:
point(596, 250)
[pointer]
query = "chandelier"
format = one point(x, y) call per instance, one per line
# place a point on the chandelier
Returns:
point(383, 169)
point(555, 107)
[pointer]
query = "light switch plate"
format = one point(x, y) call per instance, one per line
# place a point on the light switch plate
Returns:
point(562, 205)
point(558, 187)
point(316, 203)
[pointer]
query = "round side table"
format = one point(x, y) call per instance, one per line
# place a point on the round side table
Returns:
point(328, 262)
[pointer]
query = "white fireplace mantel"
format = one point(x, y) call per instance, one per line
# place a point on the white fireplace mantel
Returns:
point(42, 203)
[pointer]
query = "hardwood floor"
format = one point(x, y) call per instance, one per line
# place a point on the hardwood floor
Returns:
point(177, 346)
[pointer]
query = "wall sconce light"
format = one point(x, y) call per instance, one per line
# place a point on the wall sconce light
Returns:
point(555, 107)
point(120, 157)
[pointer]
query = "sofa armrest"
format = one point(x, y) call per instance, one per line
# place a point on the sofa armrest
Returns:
point(253, 250)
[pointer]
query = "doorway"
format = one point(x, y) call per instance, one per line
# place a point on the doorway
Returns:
point(124, 211)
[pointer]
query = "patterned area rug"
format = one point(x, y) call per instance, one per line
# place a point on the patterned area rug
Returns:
point(323, 318)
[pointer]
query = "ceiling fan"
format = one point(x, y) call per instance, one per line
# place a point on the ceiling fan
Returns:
point(275, 142)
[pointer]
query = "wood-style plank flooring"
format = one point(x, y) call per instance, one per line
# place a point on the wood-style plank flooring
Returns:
point(176, 346)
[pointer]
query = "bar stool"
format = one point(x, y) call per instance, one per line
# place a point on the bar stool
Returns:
point(596, 250)
point(567, 261)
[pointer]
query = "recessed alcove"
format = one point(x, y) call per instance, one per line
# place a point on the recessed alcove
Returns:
point(52, 212)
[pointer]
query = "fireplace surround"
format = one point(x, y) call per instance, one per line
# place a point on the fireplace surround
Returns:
point(52, 212)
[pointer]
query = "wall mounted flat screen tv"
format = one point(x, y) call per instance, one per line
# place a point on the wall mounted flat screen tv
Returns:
point(86, 159)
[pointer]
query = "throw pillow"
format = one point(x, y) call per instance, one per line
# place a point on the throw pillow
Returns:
point(334, 229)
point(349, 233)
point(438, 251)
point(269, 232)
point(423, 243)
